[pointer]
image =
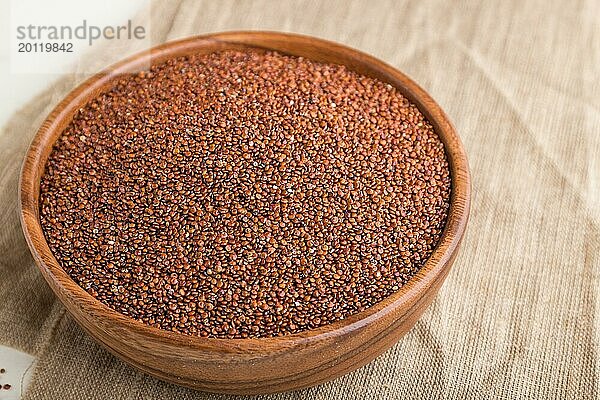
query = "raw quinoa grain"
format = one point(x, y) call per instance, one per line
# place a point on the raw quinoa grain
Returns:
point(245, 194)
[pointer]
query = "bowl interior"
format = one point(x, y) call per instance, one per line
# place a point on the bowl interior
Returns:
point(296, 45)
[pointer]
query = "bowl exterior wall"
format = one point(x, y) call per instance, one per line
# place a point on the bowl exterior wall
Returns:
point(250, 366)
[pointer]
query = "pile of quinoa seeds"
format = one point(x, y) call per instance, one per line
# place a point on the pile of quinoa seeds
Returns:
point(245, 194)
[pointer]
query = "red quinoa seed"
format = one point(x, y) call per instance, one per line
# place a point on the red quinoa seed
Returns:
point(245, 194)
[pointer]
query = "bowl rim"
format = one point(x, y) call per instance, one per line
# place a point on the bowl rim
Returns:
point(435, 267)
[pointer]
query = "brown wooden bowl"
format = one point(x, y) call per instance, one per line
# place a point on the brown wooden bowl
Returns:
point(263, 365)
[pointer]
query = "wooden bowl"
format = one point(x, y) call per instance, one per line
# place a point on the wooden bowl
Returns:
point(263, 365)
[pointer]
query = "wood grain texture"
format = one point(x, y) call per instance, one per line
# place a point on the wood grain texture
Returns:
point(264, 365)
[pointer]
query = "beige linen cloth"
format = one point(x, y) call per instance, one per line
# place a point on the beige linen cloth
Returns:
point(519, 315)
